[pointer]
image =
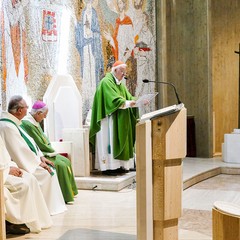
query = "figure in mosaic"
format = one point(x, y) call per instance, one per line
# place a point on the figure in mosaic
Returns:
point(14, 55)
point(122, 42)
point(89, 45)
point(122, 38)
point(144, 52)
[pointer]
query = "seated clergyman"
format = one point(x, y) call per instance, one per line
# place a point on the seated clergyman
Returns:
point(25, 207)
point(24, 152)
point(31, 124)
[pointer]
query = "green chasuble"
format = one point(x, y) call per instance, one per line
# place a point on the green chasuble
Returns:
point(62, 164)
point(108, 98)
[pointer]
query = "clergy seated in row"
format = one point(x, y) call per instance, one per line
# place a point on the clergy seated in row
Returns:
point(24, 152)
point(31, 124)
point(113, 120)
point(25, 208)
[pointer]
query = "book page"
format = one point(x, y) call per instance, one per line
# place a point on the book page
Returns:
point(52, 154)
point(145, 99)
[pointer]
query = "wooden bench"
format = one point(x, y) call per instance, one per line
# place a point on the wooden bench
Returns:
point(2, 210)
point(226, 221)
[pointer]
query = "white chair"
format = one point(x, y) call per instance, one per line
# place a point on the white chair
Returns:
point(63, 148)
point(231, 148)
point(64, 121)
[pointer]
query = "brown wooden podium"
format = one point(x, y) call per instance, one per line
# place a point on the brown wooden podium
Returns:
point(2, 209)
point(160, 147)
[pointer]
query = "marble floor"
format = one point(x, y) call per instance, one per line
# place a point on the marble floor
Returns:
point(111, 215)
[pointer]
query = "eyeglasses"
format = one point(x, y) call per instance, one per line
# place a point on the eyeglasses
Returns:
point(24, 106)
point(123, 72)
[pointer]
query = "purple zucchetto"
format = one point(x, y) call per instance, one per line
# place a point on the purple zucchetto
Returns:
point(38, 105)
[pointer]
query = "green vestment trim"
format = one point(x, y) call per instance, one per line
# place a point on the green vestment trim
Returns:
point(39, 136)
point(108, 98)
point(31, 146)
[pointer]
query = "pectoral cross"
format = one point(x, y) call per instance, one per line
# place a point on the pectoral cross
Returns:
point(238, 52)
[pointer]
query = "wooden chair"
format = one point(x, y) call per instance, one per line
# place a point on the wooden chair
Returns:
point(225, 221)
point(2, 210)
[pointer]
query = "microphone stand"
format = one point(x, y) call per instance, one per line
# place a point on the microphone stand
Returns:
point(167, 83)
point(238, 52)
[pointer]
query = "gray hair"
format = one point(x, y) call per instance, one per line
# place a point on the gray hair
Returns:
point(41, 110)
point(119, 66)
point(15, 103)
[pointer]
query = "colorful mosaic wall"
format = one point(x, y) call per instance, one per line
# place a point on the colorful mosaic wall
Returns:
point(82, 38)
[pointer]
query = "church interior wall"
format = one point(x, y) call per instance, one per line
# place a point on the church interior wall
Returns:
point(201, 37)
point(47, 58)
point(77, 38)
point(225, 66)
point(188, 56)
point(195, 51)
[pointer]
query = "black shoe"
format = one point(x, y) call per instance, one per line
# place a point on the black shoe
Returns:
point(16, 229)
point(132, 169)
point(109, 173)
point(121, 170)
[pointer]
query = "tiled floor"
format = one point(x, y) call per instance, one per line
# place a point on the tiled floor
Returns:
point(199, 199)
point(103, 215)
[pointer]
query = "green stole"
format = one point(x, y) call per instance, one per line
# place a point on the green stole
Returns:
point(31, 146)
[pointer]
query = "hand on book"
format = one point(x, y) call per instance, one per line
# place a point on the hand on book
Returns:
point(132, 103)
point(146, 102)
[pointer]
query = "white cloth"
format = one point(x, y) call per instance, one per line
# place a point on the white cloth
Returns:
point(27, 160)
point(104, 160)
point(24, 202)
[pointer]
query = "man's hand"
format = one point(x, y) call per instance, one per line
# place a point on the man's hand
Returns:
point(146, 102)
point(45, 160)
point(132, 103)
point(15, 172)
point(45, 166)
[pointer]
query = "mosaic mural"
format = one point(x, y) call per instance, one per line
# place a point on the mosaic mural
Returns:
point(82, 38)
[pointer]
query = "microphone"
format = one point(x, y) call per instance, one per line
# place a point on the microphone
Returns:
point(147, 81)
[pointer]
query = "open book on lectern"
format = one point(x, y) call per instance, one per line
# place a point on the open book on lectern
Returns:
point(161, 112)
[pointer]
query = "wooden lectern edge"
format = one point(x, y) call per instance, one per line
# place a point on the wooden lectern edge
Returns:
point(165, 114)
point(177, 108)
point(159, 115)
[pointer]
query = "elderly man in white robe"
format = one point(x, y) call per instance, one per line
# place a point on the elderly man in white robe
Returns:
point(24, 202)
point(24, 152)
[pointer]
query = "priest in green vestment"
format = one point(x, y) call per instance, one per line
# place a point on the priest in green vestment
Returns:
point(113, 120)
point(31, 124)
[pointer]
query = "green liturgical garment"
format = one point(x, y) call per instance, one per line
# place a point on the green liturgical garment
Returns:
point(108, 98)
point(62, 164)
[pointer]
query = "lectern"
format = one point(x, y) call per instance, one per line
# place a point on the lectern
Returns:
point(160, 147)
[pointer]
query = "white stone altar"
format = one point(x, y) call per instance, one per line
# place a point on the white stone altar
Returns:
point(231, 147)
